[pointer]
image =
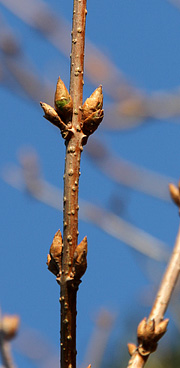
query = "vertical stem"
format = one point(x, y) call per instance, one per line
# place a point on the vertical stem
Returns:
point(71, 187)
point(77, 52)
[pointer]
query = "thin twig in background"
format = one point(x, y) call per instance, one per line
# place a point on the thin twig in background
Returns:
point(36, 348)
point(8, 329)
point(128, 174)
point(152, 329)
point(175, 3)
point(104, 322)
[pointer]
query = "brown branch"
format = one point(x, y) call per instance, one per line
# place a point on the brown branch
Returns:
point(67, 258)
point(71, 186)
point(152, 329)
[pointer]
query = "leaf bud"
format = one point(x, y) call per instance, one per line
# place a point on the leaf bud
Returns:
point(54, 257)
point(93, 103)
point(52, 115)
point(161, 328)
point(80, 259)
point(141, 329)
point(92, 122)
point(62, 100)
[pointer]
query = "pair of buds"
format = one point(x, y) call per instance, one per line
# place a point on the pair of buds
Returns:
point(54, 258)
point(61, 114)
point(148, 334)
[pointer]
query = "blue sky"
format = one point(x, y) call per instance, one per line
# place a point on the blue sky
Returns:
point(141, 38)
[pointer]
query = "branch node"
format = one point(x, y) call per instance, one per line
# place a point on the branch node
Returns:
point(149, 333)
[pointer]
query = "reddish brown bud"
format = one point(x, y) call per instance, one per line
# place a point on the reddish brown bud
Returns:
point(55, 254)
point(141, 329)
point(62, 100)
point(161, 328)
point(92, 122)
point(93, 103)
point(52, 116)
point(80, 259)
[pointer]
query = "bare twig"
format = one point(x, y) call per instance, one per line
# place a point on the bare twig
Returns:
point(71, 184)
point(152, 329)
point(67, 259)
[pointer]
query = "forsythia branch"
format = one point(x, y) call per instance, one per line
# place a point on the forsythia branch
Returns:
point(66, 259)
